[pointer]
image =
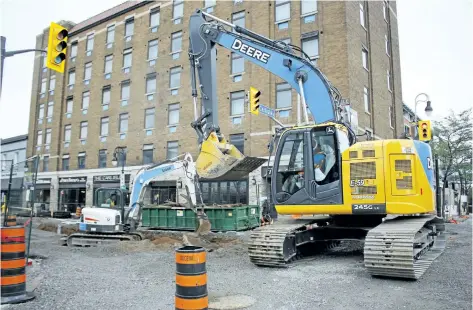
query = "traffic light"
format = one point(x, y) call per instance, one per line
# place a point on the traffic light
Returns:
point(254, 100)
point(57, 47)
point(425, 132)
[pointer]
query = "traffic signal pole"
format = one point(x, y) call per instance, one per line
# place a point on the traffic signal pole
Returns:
point(5, 54)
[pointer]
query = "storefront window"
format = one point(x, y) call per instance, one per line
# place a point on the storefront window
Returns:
point(230, 192)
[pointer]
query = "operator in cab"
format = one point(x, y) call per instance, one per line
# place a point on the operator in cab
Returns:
point(112, 200)
point(324, 158)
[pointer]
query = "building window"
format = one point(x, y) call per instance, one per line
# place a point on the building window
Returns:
point(52, 83)
point(72, 77)
point(153, 49)
point(41, 111)
point(175, 77)
point(67, 133)
point(173, 114)
point(387, 44)
point(48, 136)
point(73, 50)
point(102, 158)
point(364, 57)
point(110, 34)
point(50, 109)
point(45, 163)
point(81, 160)
point(69, 105)
point(108, 64)
point(129, 29)
point(83, 130)
point(209, 5)
point(238, 19)
point(366, 100)
point(177, 11)
point(65, 163)
point(147, 154)
point(308, 10)
point(238, 140)
point(90, 43)
point(362, 14)
point(127, 58)
point(123, 123)
point(172, 149)
point(310, 46)
point(85, 100)
point(88, 72)
point(407, 130)
point(283, 96)
point(154, 16)
point(39, 138)
point(106, 96)
point(176, 44)
point(151, 84)
point(104, 126)
point(385, 10)
point(125, 92)
point(391, 117)
point(283, 13)
point(149, 118)
point(44, 59)
point(238, 63)
point(43, 86)
point(388, 77)
point(237, 106)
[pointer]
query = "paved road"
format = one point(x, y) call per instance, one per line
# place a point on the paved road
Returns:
point(141, 277)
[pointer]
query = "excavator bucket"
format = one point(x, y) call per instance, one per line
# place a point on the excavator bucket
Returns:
point(219, 159)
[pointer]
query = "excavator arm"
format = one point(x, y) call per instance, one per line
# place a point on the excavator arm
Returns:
point(218, 157)
point(183, 170)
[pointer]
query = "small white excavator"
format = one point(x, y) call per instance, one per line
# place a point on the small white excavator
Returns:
point(110, 220)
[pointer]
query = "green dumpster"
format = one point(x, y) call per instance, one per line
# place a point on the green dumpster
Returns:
point(228, 218)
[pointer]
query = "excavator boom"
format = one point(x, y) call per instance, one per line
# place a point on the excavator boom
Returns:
point(218, 158)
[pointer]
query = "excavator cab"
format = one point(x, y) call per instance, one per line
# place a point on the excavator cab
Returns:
point(307, 166)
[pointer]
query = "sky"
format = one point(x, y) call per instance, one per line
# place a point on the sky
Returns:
point(436, 46)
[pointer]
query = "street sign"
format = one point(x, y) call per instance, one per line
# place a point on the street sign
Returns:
point(267, 111)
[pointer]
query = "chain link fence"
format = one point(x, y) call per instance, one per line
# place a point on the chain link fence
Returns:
point(18, 192)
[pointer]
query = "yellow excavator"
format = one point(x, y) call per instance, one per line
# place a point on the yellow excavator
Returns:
point(380, 192)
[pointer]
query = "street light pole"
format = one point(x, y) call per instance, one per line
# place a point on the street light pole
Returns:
point(428, 109)
point(120, 150)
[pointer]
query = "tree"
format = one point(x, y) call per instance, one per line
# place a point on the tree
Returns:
point(452, 143)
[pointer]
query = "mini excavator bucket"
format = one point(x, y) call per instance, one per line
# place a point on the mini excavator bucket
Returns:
point(219, 159)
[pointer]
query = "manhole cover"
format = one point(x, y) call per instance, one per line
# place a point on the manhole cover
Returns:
point(231, 302)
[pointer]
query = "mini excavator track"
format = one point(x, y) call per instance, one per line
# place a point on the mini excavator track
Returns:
point(87, 239)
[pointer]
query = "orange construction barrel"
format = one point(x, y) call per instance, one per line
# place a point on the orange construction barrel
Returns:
point(11, 220)
point(13, 265)
point(191, 279)
point(78, 211)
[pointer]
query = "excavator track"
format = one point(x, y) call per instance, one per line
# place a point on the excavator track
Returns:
point(272, 245)
point(275, 245)
point(84, 239)
point(404, 247)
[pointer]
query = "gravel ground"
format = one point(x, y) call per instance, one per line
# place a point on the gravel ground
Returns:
point(141, 276)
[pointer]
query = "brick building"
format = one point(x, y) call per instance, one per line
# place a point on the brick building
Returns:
point(127, 82)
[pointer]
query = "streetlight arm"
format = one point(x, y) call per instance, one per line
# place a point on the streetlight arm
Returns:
point(13, 53)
